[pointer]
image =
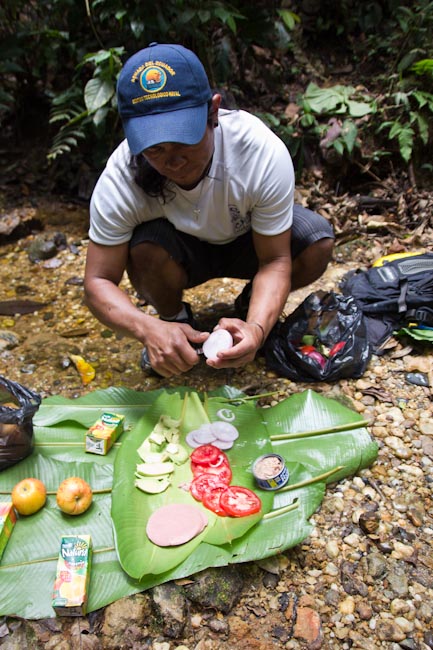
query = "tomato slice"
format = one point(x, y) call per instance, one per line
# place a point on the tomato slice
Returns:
point(204, 483)
point(222, 458)
point(211, 500)
point(205, 455)
point(223, 472)
point(239, 501)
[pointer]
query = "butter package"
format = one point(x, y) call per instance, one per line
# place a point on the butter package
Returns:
point(103, 434)
point(7, 522)
point(70, 593)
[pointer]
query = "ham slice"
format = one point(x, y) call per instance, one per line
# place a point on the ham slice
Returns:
point(175, 524)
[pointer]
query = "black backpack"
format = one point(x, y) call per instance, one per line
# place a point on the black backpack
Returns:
point(393, 294)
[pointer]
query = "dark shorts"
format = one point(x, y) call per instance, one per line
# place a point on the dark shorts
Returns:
point(203, 261)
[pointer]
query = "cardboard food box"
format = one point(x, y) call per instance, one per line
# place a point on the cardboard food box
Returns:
point(8, 518)
point(103, 434)
point(70, 593)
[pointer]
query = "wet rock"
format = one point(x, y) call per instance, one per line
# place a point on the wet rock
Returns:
point(347, 606)
point(369, 521)
point(216, 588)
point(53, 263)
point(41, 249)
point(60, 241)
point(332, 598)
point(408, 644)
point(332, 548)
point(280, 633)
point(270, 580)
point(170, 607)
point(125, 622)
point(308, 628)
point(75, 280)
point(18, 639)
point(364, 611)
point(4, 630)
point(18, 223)
point(425, 612)
point(389, 631)
point(351, 584)
point(423, 575)
point(403, 537)
point(219, 626)
point(426, 427)
point(416, 514)
point(398, 581)
point(361, 641)
point(376, 565)
point(427, 446)
point(428, 638)
point(8, 340)
point(417, 378)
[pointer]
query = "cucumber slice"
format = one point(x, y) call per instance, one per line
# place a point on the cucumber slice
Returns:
point(155, 469)
point(152, 485)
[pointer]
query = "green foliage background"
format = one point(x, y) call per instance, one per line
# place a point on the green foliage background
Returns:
point(59, 61)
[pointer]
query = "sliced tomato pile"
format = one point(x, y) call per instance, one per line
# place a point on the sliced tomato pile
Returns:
point(211, 485)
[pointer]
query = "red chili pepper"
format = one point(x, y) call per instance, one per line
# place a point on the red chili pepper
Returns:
point(306, 349)
point(337, 347)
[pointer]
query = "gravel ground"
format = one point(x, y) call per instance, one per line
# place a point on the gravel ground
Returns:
point(364, 577)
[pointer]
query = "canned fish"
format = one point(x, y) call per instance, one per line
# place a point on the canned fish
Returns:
point(270, 472)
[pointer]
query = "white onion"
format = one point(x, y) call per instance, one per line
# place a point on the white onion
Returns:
point(191, 441)
point(218, 341)
point(204, 435)
point(225, 431)
point(223, 444)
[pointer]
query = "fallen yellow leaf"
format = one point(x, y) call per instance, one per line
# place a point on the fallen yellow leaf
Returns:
point(86, 371)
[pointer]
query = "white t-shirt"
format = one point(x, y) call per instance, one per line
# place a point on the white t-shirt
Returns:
point(250, 185)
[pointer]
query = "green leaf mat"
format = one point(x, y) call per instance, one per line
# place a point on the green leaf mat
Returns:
point(321, 440)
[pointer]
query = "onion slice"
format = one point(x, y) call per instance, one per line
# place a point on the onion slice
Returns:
point(225, 431)
point(218, 341)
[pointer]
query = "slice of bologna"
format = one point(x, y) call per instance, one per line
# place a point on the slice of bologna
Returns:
point(175, 524)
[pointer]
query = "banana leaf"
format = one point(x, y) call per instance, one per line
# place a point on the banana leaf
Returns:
point(321, 440)
point(132, 508)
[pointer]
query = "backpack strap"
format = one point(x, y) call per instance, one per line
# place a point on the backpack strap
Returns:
point(423, 315)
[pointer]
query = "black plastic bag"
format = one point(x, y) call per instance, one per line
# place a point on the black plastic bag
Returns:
point(324, 339)
point(17, 408)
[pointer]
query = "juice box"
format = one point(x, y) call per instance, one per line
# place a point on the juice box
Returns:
point(7, 522)
point(71, 586)
point(101, 435)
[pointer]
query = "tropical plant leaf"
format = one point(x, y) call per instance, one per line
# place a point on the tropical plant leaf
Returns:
point(85, 410)
point(321, 440)
point(97, 93)
point(132, 508)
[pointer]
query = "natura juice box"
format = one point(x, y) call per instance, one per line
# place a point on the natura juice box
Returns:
point(70, 593)
point(103, 434)
point(7, 522)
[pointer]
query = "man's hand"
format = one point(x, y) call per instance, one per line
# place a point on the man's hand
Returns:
point(247, 339)
point(169, 346)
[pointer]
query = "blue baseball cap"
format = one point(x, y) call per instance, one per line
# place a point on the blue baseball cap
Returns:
point(162, 96)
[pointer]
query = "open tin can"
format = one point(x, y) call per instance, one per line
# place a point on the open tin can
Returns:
point(270, 472)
